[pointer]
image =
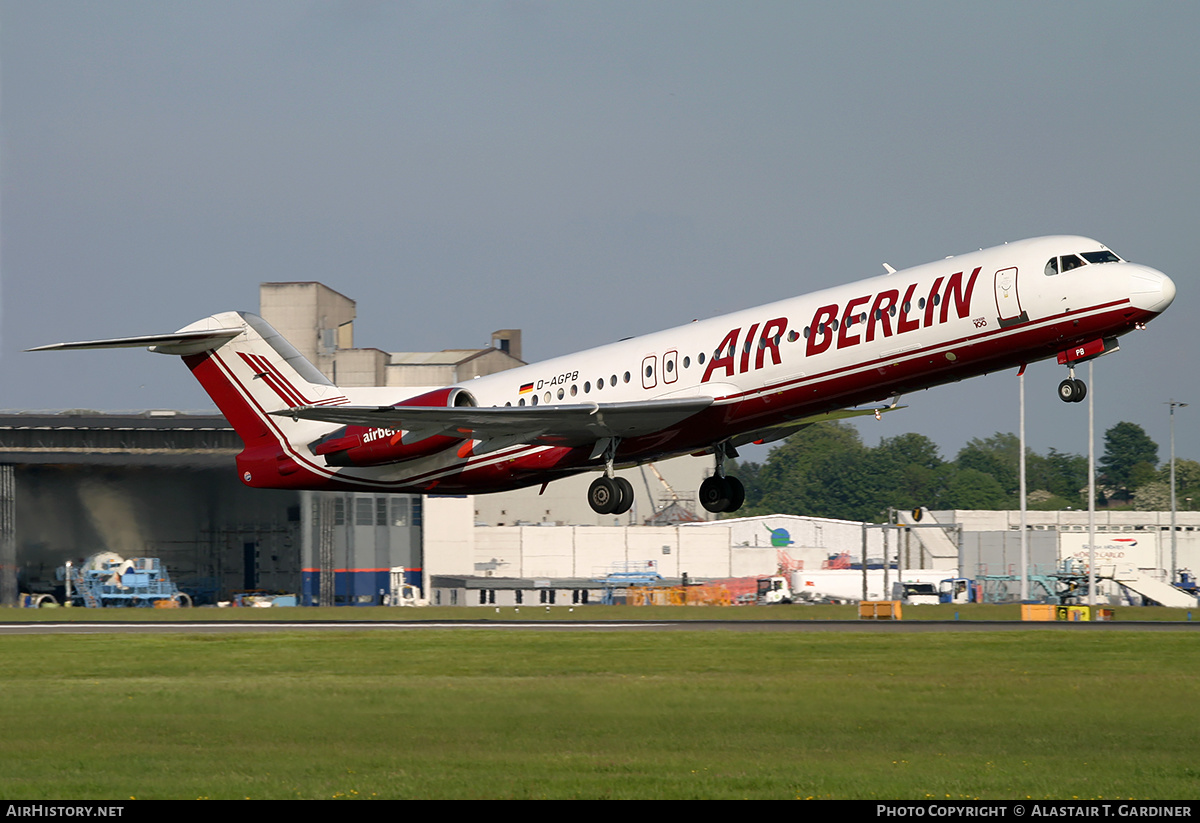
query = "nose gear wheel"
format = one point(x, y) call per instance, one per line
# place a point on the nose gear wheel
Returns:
point(1072, 391)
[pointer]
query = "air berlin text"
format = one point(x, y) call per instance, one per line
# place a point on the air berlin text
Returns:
point(861, 320)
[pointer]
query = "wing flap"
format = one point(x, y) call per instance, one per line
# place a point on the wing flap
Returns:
point(792, 426)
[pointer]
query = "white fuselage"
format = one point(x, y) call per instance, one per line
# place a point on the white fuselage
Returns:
point(863, 342)
point(750, 376)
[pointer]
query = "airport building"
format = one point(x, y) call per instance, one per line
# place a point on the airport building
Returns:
point(562, 562)
point(161, 485)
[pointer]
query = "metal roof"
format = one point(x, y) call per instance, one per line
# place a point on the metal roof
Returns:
point(160, 437)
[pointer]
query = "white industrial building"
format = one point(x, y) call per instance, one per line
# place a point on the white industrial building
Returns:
point(973, 544)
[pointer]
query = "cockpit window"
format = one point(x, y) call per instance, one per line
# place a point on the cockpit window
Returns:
point(1068, 262)
point(1056, 265)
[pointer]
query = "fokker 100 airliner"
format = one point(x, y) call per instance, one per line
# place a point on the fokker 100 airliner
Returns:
point(752, 376)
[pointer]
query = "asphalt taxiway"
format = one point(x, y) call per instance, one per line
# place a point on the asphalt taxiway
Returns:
point(874, 627)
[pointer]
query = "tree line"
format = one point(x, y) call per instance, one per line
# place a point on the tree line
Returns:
point(825, 470)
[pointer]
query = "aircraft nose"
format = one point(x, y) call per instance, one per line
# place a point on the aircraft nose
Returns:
point(1150, 289)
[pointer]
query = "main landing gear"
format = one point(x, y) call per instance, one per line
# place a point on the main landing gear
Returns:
point(721, 493)
point(614, 495)
point(610, 494)
point(1072, 390)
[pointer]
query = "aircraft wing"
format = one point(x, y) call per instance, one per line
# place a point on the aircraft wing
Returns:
point(792, 426)
point(566, 425)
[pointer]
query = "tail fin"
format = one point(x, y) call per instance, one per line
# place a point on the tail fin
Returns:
point(249, 370)
point(248, 377)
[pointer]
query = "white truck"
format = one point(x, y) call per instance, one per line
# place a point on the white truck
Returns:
point(926, 593)
point(912, 593)
point(773, 590)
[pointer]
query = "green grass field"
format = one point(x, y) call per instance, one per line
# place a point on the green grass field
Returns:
point(630, 714)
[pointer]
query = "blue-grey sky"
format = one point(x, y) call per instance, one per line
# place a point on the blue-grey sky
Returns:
point(584, 171)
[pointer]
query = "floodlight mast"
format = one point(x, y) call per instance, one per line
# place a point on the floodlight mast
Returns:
point(1091, 486)
point(1173, 404)
point(1024, 497)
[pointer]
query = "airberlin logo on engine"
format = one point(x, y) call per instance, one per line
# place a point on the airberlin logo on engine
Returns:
point(844, 326)
point(377, 434)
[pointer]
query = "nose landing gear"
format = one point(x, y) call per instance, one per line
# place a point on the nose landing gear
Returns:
point(1072, 390)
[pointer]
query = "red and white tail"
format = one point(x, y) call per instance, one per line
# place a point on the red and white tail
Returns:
point(248, 377)
point(249, 370)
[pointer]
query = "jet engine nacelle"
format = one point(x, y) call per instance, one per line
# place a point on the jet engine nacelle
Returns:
point(365, 446)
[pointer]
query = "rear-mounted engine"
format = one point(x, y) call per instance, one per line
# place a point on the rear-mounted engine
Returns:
point(376, 446)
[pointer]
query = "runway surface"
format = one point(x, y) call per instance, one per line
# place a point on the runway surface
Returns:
point(875, 627)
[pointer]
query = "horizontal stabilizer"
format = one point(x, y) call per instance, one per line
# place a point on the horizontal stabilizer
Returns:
point(180, 342)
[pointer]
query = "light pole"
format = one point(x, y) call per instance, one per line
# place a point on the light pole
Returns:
point(1024, 497)
point(1091, 398)
point(1174, 404)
